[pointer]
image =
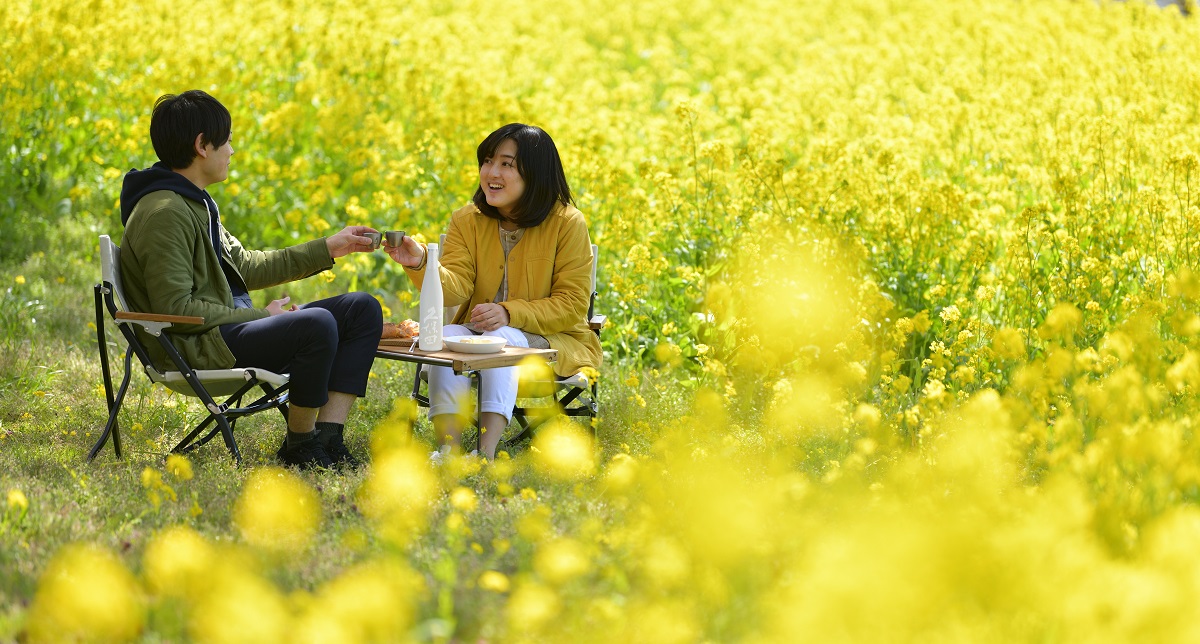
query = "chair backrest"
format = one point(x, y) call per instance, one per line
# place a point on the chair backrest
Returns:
point(110, 274)
point(595, 263)
point(110, 269)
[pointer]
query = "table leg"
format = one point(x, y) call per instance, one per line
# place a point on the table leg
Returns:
point(479, 409)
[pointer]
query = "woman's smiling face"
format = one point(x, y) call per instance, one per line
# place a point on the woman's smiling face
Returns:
point(502, 185)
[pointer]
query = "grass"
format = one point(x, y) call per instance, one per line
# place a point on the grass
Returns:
point(52, 410)
point(941, 287)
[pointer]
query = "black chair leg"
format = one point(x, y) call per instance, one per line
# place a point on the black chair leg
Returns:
point(110, 428)
point(186, 445)
point(227, 434)
point(282, 406)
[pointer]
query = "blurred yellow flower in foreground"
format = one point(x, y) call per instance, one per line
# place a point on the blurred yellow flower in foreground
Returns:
point(239, 607)
point(561, 560)
point(277, 510)
point(798, 299)
point(398, 492)
point(496, 582)
point(179, 467)
point(394, 431)
point(664, 622)
point(177, 562)
point(1008, 344)
point(371, 602)
point(536, 378)
point(531, 607)
point(463, 498)
point(17, 500)
point(85, 594)
point(620, 474)
point(564, 451)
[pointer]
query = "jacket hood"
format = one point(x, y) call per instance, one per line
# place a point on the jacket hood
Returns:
point(139, 183)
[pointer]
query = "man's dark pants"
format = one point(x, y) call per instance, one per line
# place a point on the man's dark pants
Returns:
point(327, 345)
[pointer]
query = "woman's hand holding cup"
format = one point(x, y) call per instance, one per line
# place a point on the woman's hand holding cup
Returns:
point(408, 253)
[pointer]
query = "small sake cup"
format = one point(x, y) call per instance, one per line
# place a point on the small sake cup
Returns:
point(394, 237)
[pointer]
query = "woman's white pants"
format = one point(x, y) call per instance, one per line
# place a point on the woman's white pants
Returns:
point(448, 392)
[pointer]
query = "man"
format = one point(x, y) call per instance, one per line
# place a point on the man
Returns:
point(177, 259)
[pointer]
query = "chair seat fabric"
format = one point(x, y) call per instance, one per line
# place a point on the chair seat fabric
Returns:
point(218, 382)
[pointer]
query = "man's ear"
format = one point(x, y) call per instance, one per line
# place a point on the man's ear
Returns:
point(198, 145)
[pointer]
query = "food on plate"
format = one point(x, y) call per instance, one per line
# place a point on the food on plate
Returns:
point(405, 329)
point(480, 340)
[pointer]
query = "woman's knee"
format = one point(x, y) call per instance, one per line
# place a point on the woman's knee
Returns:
point(513, 336)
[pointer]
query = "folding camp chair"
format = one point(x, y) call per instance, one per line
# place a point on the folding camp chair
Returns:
point(574, 396)
point(200, 383)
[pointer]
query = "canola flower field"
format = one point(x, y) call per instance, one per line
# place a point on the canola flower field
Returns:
point(904, 338)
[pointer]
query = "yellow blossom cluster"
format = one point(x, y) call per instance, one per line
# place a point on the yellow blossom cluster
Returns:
point(928, 268)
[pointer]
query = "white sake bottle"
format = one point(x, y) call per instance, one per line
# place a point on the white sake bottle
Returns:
point(431, 303)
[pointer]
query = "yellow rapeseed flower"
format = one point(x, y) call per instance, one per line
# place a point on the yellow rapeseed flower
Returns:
point(371, 602)
point(1008, 344)
point(531, 607)
point(620, 475)
point(177, 562)
point(536, 378)
point(277, 510)
point(85, 593)
point(561, 560)
point(17, 501)
point(397, 494)
point(564, 450)
point(463, 498)
point(179, 467)
point(240, 606)
point(494, 581)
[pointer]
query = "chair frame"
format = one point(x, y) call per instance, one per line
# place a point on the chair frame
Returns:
point(572, 396)
point(109, 298)
point(568, 392)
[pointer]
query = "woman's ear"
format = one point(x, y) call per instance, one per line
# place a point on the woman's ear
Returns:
point(198, 145)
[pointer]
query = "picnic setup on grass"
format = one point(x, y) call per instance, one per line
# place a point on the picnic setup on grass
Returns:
point(573, 396)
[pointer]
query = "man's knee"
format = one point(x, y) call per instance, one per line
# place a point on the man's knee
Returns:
point(364, 304)
point(317, 325)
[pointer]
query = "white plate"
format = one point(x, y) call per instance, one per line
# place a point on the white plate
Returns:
point(475, 344)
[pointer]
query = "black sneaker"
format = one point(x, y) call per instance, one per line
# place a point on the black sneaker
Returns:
point(305, 454)
point(335, 447)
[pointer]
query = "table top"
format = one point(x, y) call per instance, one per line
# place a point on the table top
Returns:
point(395, 349)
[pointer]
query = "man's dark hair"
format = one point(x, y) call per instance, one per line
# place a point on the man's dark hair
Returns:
point(539, 166)
point(179, 118)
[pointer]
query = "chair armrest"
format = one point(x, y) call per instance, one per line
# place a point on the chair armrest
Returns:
point(157, 317)
point(597, 322)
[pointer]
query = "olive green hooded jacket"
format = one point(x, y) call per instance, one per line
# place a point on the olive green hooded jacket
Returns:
point(169, 265)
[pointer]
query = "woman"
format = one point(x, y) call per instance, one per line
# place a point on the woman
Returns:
point(519, 260)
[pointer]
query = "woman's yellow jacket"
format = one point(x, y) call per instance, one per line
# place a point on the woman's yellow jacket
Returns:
point(549, 279)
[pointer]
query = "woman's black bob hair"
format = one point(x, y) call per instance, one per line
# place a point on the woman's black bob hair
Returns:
point(539, 166)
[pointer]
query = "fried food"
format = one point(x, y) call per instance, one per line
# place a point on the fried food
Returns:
point(405, 329)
